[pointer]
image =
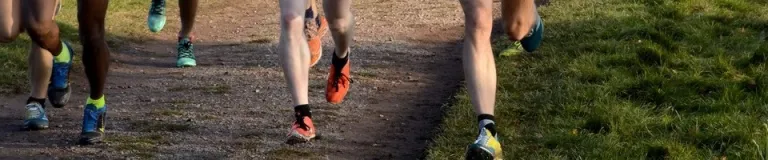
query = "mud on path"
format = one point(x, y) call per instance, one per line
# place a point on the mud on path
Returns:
point(235, 104)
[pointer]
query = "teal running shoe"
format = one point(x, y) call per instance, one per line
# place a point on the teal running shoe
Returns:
point(93, 124)
point(486, 147)
point(156, 18)
point(36, 119)
point(59, 90)
point(186, 53)
point(532, 41)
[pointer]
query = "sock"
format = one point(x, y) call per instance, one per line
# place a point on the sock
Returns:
point(309, 13)
point(487, 121)
point(301, 111)
point(64, 56)
point(190, 37)
point(99, 103)
point(36, 100)
point(339, 62)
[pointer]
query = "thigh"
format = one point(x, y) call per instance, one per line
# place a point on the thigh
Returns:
point(291, 7)
point(91, 15)
point(10, 15)
point(39, 12)
point(337, 8)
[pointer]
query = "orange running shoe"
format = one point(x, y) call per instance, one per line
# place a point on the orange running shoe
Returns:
point(315, 28)
point(338, 80)
point(302, 131)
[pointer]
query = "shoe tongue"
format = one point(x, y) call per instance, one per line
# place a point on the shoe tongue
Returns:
point(488, 125)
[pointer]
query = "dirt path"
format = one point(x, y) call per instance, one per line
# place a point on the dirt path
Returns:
point(235, 105)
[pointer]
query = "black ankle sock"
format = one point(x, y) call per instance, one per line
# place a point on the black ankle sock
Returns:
point(40, 101)
point(339, 61)
point(485, 116)
point(309, 13)
point(301, 111)
point(490, 126)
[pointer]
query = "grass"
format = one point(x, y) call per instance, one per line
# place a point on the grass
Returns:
point(13, 56)
point(142, 146)
point(631, 79)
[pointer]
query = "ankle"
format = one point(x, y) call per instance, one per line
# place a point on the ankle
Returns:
point(40, 101)
point(302, 111)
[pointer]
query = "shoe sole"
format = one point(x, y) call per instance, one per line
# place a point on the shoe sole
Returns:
point(59, 101)
point(317, 39)
point(90, 140)
point(477, 153)
point(34, 127)
point(295, 139)
point(185, 66)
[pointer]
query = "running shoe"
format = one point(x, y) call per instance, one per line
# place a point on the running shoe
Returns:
point(486, 147)
point(186, 53)
point(93, 124)
point(156, 18)
point(532, 41)
point(35, 119)
point(59, 90)
point(338, 80)
point(302, 131)
point(315, 28)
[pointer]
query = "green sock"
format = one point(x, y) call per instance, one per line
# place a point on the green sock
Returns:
point(64, 56)
point(99, 103)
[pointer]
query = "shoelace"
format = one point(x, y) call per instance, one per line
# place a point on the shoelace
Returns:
point(59, 71)
point(339, 79)
point(185, 49)
point(90, 120)
point(300, 121)
point(158, 6)
point(36, 113)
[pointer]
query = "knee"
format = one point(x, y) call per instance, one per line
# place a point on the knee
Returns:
point(90, 38)
point(516, 30)
point(292, 21)
point(39, 28)
point(339, 24)
point(478, 25)
point(8, 36)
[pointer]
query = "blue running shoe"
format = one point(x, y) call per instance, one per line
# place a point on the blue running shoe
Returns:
point(186, 53)
point(531, 42)
point(59, 90)
point(156, 18)
point(93, 124)
point(35, 119)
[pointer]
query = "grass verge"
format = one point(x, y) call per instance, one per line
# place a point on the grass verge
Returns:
point(631, 79)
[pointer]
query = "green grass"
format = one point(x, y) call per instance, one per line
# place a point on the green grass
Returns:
point(141, 146)
point(122, 13)
point(631, 79)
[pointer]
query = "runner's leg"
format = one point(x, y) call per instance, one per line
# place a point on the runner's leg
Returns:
point(185, 49)
point(91, 15)
point(293, 50)
point(480, 74)
point(341, 23)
